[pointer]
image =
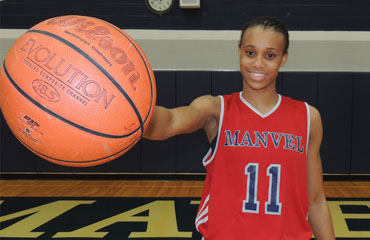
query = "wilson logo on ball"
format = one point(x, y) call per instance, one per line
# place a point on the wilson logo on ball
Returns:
point(101, 35)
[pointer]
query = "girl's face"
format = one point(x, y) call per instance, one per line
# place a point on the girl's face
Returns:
point(261, 55)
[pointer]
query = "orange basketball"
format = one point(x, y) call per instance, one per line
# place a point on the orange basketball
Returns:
point(77, 91)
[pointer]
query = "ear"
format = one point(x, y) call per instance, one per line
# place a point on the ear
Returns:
point(284, 59)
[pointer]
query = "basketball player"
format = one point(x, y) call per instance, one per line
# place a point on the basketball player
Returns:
point(264, 175)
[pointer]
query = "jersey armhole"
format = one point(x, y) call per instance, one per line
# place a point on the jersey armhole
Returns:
point(308, 125)
point(214, 144)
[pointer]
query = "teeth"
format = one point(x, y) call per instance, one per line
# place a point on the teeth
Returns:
point(258, 74)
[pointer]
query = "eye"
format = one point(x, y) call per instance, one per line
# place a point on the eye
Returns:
point(250, 53)
point(270, 55)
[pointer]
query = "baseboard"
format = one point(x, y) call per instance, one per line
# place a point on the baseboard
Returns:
point(101, 176)
point(146, 176)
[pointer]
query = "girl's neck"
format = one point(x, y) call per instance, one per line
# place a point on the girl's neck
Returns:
point(263, 101)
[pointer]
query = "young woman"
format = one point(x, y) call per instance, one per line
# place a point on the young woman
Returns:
point(264, 175)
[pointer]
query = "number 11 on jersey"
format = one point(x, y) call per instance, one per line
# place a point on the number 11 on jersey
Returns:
point(251, 204)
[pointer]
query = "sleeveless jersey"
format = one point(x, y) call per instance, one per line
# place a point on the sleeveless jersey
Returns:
point(256, 182)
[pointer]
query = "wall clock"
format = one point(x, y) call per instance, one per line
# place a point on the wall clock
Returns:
point(159, 6)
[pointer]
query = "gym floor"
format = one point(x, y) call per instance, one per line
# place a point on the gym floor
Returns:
point(172, 206)
point(145, 188)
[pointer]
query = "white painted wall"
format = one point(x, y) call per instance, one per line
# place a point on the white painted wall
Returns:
point(310, 51)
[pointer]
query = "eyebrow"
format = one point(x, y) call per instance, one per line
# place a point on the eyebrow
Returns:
point(250, 45)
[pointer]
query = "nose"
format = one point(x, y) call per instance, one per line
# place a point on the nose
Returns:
point(258, 62)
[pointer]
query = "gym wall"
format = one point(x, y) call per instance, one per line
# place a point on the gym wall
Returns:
point(194, 52)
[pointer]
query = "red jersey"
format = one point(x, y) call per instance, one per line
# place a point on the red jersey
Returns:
point(256, 183)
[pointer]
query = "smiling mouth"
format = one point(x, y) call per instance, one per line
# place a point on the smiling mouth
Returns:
point(257, 76)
